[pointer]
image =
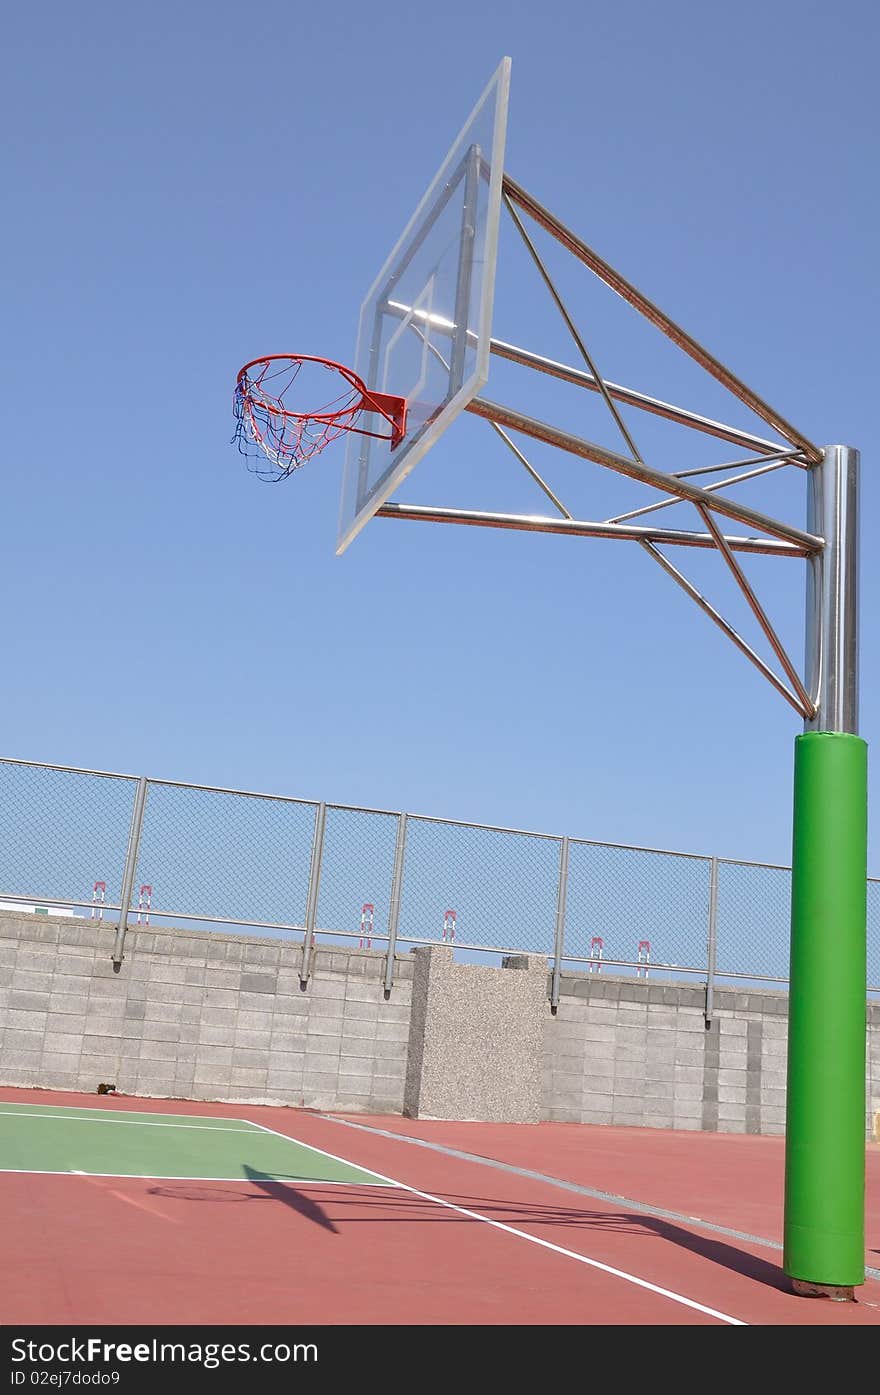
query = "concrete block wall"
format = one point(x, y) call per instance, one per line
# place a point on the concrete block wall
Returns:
point(199, 1016)
point(624, 1051)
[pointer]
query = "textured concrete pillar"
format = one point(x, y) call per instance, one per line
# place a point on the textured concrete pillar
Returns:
point(476, 1038)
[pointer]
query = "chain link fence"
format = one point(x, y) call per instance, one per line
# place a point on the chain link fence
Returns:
point(357, 874)
point(219, 855)
point(63, 833)
point(95, 843)
point(477, 887)
point(633, 908)
point(754, 908)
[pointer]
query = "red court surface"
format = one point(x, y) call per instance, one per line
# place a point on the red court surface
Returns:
point(732, 1180)
point(446, 1241)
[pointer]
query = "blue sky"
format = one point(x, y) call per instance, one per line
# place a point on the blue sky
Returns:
point(189, 186)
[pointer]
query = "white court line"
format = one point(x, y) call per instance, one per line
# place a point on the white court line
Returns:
point(524, 1235)
point(133, 1119)
point(67, 1111)
point(162, 1177)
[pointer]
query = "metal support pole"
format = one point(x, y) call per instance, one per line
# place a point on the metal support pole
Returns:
point(131, 857)
point(575, 527)
point(655, 315)
point(712, 941)
point(832, 626)
point(559, 938)
point(674, 484)
point(824, 1230)
point(312, 898)
point(514, 354)
point(394, 909)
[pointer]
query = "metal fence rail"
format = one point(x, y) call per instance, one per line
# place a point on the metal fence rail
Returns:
point(95, 842)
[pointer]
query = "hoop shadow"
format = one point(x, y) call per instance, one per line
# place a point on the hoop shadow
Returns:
point(362, 1207)
point(271, 1185)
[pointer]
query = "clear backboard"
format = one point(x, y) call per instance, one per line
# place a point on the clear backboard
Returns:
point(425, 324)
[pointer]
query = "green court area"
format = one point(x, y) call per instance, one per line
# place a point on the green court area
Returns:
point(125, 1143)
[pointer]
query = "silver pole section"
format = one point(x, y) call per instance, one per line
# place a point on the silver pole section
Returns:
point(526, 359)
point(832, 617)
point(128, 875)
point(636, 470)
point(712, 940)
point(394, 909)
point(312, 898)
point(640, 302)
point(559, 941)
point(539, 481)
point(576, 527)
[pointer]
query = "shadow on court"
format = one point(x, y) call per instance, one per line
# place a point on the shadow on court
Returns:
point(285, 1192)
point(384, 1205)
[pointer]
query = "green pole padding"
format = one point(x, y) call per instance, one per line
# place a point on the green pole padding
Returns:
point(825, 1127)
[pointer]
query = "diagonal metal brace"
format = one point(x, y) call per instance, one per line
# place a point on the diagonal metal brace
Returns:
point(806, 703)
point(708, 609)
point(637, 470)
point(656, 316)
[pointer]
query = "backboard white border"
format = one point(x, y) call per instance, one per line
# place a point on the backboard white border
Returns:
point(501, 81)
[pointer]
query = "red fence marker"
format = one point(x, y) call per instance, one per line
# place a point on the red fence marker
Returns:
point(366, 940)
point(145, 901)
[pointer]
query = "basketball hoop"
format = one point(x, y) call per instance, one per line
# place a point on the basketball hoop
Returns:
point(274, 422)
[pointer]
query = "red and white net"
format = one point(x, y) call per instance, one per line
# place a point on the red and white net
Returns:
point(277, 425)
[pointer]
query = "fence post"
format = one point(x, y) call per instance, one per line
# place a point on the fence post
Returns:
point(559, 938)
point(312, 899)
point(712, 940)
point(131, 857)
point(394, 909)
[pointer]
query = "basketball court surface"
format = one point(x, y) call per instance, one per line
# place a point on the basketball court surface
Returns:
point(135, 1211)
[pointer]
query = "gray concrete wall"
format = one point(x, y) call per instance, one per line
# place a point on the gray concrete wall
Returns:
point(476, 1038)
point(200, 1016)
point(624, 1051)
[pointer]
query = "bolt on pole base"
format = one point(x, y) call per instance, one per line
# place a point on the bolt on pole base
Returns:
point(834, 1293)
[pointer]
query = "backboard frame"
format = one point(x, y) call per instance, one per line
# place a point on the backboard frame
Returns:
point(472, 176)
